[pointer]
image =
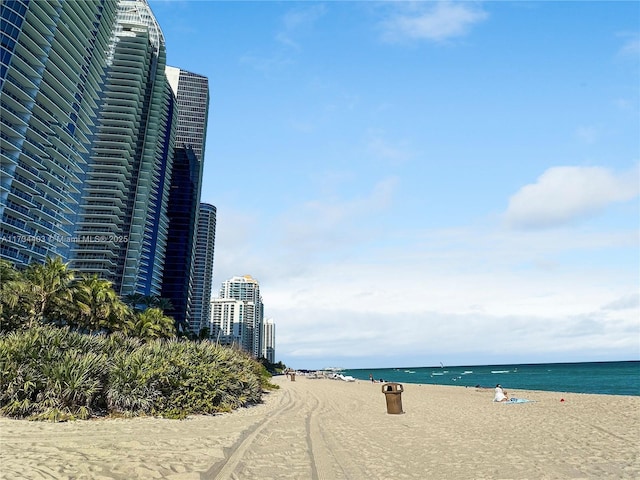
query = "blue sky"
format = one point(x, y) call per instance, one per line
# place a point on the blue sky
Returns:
point(422, 182)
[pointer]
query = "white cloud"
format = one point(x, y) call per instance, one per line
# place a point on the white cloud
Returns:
point(436, 22)
point(348, 312)
point(303, 17)
point(631, 300)
point(267, 63)
point(631, 47)
point(457, 293)
point(625, 104)
point(564, 194)
point(235, 252)
point(395, 152)
point(328, 223)
point(293, 23)
point(290, 244)
point(346, 289)
point(588, 134)
point(465, 295)
point(297, 20)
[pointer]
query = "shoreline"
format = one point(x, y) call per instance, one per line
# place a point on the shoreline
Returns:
point(331, 429)
point(620, 377)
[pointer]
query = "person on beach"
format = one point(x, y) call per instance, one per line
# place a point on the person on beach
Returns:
point(371, 377)
point(501, 395)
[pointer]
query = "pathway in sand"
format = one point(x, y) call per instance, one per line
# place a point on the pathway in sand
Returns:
point(333, 430)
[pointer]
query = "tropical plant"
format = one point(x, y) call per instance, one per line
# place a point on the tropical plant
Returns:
point(133, 299)
point(132, 389)
point(48, 291)
point(49, 373)
point(153, 323)
point(139, 302)
point(201, 377)
point(272, 368)
point(73, 382)
point(12, 297)
point(97, 305)
point(204, 333)
point(163, 304)
point(58, 374)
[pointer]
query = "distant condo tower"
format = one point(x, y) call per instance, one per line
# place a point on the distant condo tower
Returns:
point(237, 315)
point(269, 340)
point(180, 279)
point(203, 268)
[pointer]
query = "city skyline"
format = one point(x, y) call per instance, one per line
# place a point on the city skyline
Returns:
point(91, 124)
point(425, 182)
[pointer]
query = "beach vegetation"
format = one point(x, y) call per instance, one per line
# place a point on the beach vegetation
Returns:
point(56, 374)
point(277, 368)
point(52, 293)
point(71, 348)
point(151, 323)
point(97, 307)
point(12, 299)
point(47, 291)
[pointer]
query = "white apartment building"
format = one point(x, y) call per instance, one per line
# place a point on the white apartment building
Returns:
point(269, 340)
point(232, 322)
point(244, 319)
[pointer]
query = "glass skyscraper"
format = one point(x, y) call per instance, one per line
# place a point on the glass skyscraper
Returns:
point(122, 226)
point(202, 275)
point(176, 284)
point(192, 92)
point(102, 148)
point(192, 96)
point(52, 73)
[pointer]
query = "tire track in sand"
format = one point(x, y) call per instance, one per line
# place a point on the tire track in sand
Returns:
point(327, 448)
point(227, 468)
point(291, 443)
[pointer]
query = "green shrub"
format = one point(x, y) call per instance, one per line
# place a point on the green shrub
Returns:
point(56, 374)
point(49, 369)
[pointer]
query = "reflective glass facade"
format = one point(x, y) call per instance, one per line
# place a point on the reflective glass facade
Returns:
point(203, 267)
point(176, 284)
point(122, 226)
point(181, 284)
point(52, 72)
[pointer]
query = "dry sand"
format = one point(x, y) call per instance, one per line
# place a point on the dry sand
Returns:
point(324, 429)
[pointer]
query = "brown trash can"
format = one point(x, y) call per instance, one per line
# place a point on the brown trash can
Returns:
point(393, 395)
point(293, 376)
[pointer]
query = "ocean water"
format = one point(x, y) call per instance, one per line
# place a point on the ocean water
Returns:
point(612, 378)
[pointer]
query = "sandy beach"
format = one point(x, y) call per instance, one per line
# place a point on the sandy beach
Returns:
point(321, 429)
